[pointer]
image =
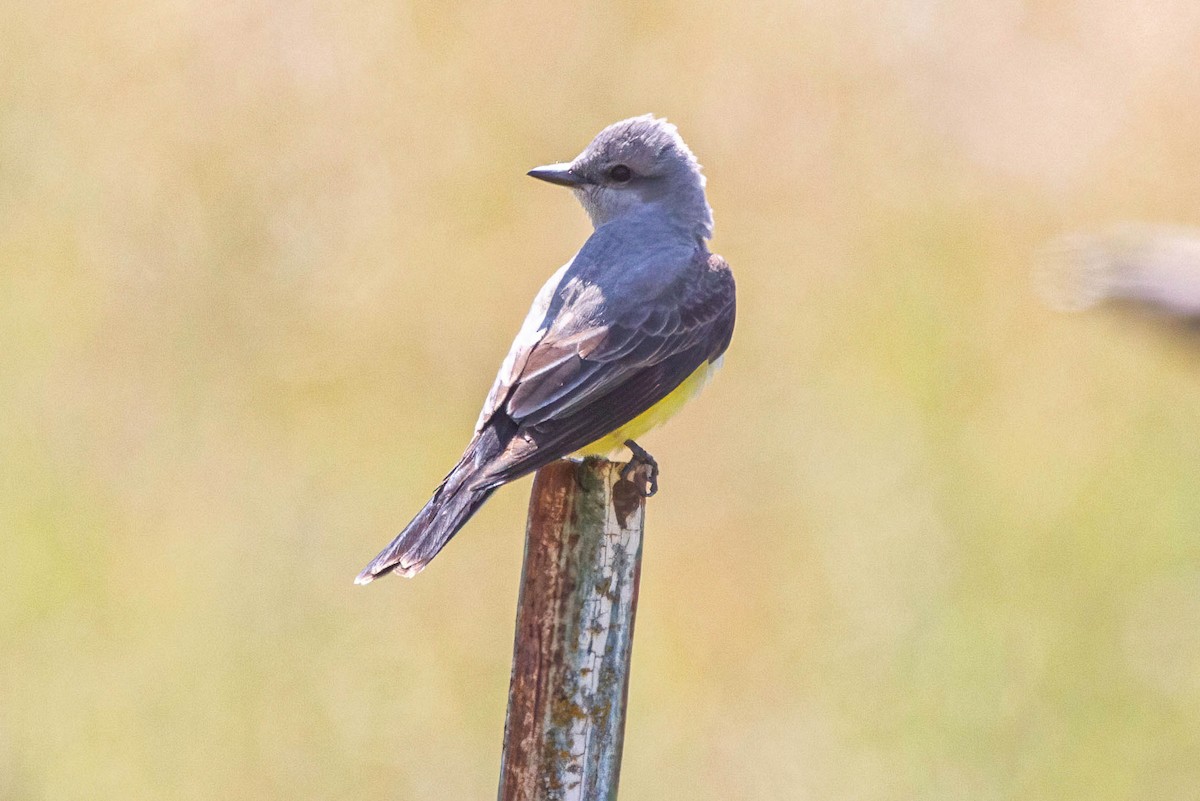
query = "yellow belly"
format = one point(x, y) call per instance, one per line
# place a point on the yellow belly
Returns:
point(655, 415)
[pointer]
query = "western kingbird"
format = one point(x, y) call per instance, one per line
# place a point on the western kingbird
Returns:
point(615, 342)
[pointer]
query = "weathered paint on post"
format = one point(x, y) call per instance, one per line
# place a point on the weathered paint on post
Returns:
point(570, 677)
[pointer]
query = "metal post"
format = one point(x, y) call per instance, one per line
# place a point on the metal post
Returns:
point(570, 676)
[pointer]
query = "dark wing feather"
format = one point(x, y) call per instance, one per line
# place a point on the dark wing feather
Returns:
point(542, 443)
point(577, 385)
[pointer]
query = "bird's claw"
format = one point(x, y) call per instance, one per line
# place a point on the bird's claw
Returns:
point(641, 457)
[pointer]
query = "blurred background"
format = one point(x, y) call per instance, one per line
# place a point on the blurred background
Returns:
point(924, 537)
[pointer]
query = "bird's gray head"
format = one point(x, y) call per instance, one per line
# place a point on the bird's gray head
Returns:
point(635, 165)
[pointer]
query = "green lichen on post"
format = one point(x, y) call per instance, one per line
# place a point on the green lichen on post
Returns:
point(574, 637)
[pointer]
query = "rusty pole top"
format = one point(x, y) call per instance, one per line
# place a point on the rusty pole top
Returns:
point(570, 677)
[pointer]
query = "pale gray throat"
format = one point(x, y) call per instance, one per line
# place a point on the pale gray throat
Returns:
point(687, 212)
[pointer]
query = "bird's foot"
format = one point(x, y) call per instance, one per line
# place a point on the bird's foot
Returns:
point(641, 457)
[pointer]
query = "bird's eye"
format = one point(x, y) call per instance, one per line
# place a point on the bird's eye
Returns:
point(620, 173)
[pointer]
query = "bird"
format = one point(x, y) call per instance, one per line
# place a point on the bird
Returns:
point(616, 341)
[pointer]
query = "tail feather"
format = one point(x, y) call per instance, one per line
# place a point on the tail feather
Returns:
point(426, 535)
point(452, 505)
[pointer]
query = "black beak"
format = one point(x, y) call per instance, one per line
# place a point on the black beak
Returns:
point(560, 174)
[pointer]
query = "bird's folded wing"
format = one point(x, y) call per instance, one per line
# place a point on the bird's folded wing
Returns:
point(587, 375)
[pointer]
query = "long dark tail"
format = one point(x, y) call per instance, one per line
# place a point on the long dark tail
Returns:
point(451, 506)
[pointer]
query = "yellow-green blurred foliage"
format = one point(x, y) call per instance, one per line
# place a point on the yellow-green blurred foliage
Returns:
point(922, 537)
